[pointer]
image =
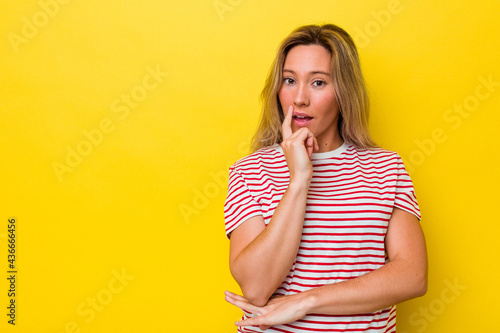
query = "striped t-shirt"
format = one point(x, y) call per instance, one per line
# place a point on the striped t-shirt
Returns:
point(351, 198)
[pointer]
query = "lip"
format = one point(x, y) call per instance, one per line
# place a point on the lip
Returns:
point(301, 122)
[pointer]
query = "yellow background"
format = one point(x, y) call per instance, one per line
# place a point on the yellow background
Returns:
point(147, 199)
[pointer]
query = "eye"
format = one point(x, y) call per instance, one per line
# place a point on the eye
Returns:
point(288, 81)
point(319, 83)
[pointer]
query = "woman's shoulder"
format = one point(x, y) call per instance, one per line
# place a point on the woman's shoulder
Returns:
point(269, 154)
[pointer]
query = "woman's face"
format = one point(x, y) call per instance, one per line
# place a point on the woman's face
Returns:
point(308, 87)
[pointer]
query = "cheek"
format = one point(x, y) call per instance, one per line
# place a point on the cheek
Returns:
point(328, 103)
point(285, 98)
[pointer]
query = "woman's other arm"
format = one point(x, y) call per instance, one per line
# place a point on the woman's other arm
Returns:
point(404, 277)
point(401, 279)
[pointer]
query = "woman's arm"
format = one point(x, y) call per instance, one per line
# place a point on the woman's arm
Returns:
point(403, 278)
point(260, 257)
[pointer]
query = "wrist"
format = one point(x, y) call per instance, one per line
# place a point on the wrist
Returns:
point(308, 301)
point(301, 178)
point(299, 184)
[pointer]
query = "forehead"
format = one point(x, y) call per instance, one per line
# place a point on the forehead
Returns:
point(308, 58)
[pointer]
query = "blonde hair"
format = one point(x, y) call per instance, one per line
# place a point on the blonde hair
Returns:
point(348, 82)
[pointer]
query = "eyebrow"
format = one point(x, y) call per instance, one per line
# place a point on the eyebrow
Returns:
point(313, 72)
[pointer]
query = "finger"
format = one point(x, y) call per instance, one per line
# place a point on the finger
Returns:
point(309, 145)
point(307, 137)
point(238, 299)
point(253, 321)
point(302, 138)
point(301, 134)
point(228, 293)
point(242, 304)
point(316, 144)
point(264, 327)
point(287, 123)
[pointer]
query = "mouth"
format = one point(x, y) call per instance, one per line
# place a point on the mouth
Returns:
point(301, 119)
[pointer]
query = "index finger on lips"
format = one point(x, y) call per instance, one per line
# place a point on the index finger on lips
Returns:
point(287, 123)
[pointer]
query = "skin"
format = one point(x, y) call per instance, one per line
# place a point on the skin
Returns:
point(308, 87)
point(261, 257)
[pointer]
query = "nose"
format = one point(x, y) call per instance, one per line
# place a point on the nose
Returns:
point(301, 97)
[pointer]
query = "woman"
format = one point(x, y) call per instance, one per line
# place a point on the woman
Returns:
point(324, 227)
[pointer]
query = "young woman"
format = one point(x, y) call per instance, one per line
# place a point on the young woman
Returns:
point(323, 225)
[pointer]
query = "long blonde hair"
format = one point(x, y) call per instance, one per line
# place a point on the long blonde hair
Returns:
point(348, 82)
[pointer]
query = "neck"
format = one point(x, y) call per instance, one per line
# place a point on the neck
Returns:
point(329, 144)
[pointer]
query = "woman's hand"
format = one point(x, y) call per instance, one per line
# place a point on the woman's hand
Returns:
point(298, 148)
point(279, 310)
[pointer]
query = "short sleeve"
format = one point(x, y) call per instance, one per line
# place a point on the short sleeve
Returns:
point(240, 205)
point(405, 193)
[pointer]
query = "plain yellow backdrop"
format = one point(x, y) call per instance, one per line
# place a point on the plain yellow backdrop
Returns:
point(119, 121)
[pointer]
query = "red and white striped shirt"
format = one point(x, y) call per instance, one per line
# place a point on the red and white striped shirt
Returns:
point(351, 198)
